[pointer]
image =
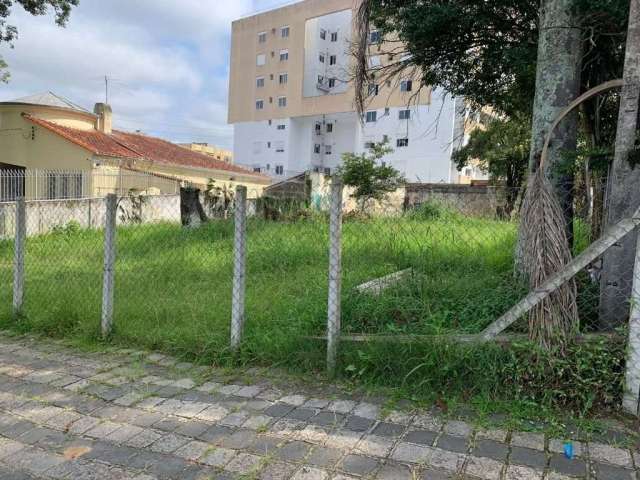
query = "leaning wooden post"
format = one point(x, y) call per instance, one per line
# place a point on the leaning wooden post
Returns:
point(108, 282)
point(631, 399)
point(239, 266)
point(335, 274)
point(18, 259)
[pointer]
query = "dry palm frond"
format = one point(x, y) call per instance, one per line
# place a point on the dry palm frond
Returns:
point(544, 250)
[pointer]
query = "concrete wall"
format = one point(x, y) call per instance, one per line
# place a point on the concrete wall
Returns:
point(43, 216)
point(465, 199)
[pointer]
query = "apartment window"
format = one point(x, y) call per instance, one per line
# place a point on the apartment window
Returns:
point(279, 147)
point(406, 85)
point(284, 32)
point(404, 114)
point(369, 145)
point(374, 61)
point(372, 116)
point(402, 142)
point(281, 127)
point(259, 104)
point(323, 34)
point(320, 79)
point(284, 55)
point(327, 171)
point(334, 36)
point(269, 121)
point(282, 102)
point(268, 146)
point(373, 89)
point(329, 127)
point(375, 37)
point(318, 128)
point(328, 149)
point(332, 82)
point(333, 59)
point(260, 82)
point(283, 78)
point(316, 148)
point(279, 170)
point(467, 172)
point(321, 58)
point(262, 37)
point(261, 59)
point(257, 169)
point(385, 138)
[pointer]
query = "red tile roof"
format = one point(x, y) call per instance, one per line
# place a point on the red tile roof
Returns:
point(136, 146)
point(93, 140)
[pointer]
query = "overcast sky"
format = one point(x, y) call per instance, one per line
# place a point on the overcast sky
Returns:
point(167, 61)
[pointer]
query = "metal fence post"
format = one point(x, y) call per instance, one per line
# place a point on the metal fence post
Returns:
point(239, 265)
point(631, 399)
point(18, 260)
point(109, 264)
point(335, 273)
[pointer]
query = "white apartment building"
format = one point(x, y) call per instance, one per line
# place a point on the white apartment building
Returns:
point(291, 100)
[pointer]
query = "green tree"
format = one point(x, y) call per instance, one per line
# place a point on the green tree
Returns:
point(501, 150)
point(371, 178)
point(8, 33)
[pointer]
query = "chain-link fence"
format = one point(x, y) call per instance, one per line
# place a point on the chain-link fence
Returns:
point(286, 274)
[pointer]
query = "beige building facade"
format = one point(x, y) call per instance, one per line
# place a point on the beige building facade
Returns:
point(51, 148)
point(218, 153)
point(291, 98)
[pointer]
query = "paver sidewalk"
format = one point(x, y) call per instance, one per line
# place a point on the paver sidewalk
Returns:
point(143, 416)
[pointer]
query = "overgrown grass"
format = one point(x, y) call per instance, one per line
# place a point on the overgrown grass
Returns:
point(173, 292)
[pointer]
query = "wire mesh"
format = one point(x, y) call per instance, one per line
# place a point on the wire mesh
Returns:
point(424, 260)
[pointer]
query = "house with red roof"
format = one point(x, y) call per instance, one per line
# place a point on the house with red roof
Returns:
point(46, 132)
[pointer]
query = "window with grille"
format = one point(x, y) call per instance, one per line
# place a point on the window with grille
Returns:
point(404, 114)
point(372, 116)
point(402, 142)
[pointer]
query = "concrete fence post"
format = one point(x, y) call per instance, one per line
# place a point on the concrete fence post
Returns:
point(19, 253)
point(335, 274)
point(631, 399)
point(239, 266)
point(108, 282)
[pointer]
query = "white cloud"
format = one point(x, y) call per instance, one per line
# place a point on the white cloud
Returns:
point(167, 60)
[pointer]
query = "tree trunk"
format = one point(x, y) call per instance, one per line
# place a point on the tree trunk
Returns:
point(623, 197)
point(557, 85)
point(191, 211)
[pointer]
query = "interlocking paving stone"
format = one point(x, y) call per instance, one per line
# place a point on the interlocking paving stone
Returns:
point(385, 429)
point(394, 471)
point(527, 457)
point(491, 449)
point(293, 451)
point(519, 472)
point(244, 463)
point(244, 431)
point(358, 465)
point(608, 454)
point(612, 472)
point(310, 473)
point(484, 468)
point(279, 410)
point(421, 437)
point(529, 440)
point(574, 467)
point(302, 414)
point(324, 457)
point(358, 424)
point(327, 419)
point(410, 453)
point(453, 443)
point(218, 457)
point(375, 446)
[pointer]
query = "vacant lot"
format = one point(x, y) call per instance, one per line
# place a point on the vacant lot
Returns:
point(173, 292)
point(173, 286)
